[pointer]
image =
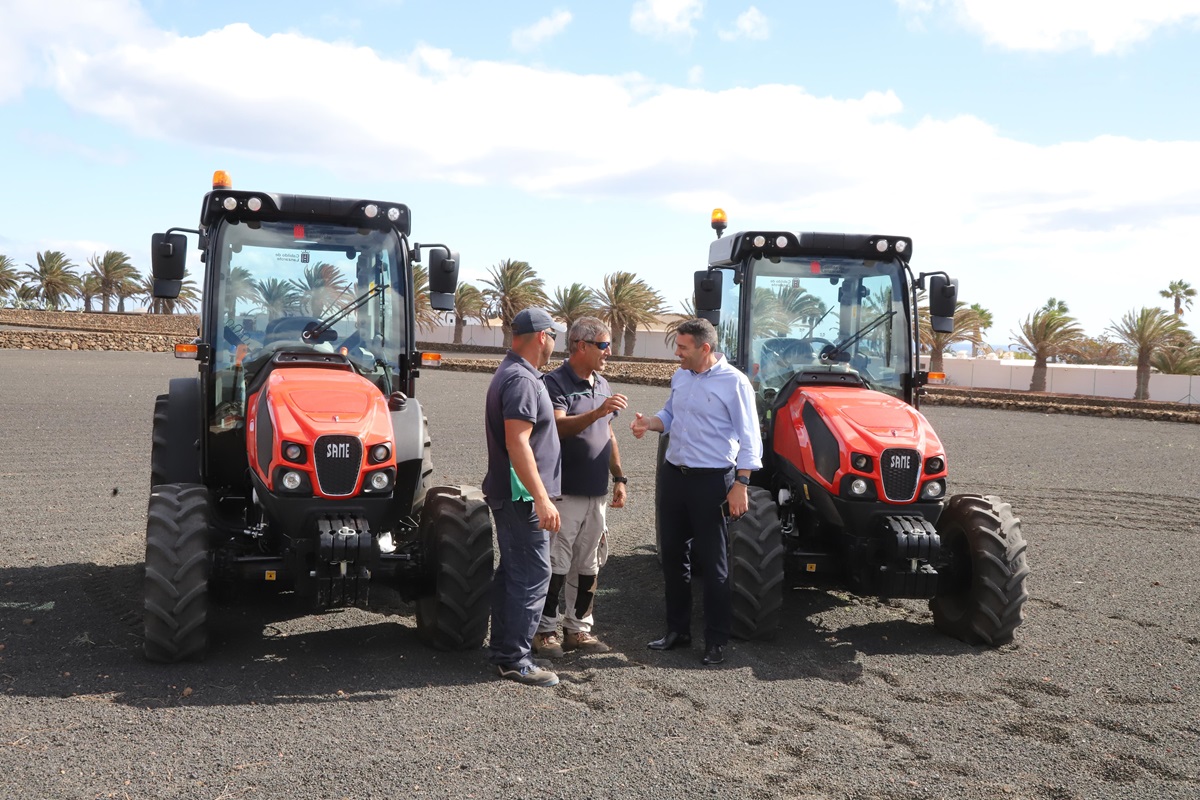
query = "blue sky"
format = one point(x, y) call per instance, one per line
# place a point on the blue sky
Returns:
point(1031, 149)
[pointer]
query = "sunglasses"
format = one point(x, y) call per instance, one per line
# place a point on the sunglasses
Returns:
point(598, 345)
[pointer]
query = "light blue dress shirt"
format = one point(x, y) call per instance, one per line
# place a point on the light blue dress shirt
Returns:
point(712, 419)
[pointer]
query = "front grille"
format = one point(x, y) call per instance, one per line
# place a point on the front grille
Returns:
point(338, 460)
point(901, 470)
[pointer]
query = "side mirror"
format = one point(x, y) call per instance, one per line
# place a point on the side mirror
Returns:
point(708, 292)
point(943, 296)
point(443, 273)
point(168, 256)
point(441, 301)
point(941, 324)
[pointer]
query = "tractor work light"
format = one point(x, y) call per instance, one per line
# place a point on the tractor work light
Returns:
point(291, 480)
point(882, 245)
point(230, 203)
point(393, 214)
point(760, 240)
point(901, 246)
point(221, 180)
point(380, 453)
point(781, 241)
point(254, 204)
point(371, 211)
point(933, 490)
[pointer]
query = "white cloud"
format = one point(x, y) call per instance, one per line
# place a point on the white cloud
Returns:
point(695, 75)
point(1037, 25)
point(750, 24)
point(541, 31)
point(991, 209)
point(664, 19)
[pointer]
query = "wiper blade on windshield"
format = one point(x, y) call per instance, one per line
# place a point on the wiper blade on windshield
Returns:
point(834, 353)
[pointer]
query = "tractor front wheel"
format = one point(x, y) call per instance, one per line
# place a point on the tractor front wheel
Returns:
point(456, 528)
point(984, 602)
point(756, 564)
point(175, 587)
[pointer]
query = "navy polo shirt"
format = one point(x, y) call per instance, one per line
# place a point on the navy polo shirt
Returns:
point(584, 456)
point(517, 392)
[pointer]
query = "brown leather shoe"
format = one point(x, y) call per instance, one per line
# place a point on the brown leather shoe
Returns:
point(584, 642)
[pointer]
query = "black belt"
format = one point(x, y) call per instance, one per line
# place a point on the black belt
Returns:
point(699, 470)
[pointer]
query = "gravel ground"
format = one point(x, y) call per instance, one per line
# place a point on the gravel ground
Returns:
point(1097, 698)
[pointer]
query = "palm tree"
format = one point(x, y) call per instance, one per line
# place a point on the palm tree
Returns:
point(1098, 350)
point(187, 300)
point(53, 278)
point(9, 279)
point(1044, 334)
point(653, 304)
point(128, 288)
point(571, 303)
point(89, 290)
point(468, 304)
point(966, 330)
point(276, 297)
point(1180, 358)
point(321, 285)
point(427, 319)
point(240, 286)
point(110, 270)
point(624, 303)
point(1147, 331)
point(1181, 292)
point(513, 286)
point(689, 312)
point(985, 323)
point(1055, 306)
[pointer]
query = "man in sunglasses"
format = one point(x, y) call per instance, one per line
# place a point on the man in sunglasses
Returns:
point(584, 407)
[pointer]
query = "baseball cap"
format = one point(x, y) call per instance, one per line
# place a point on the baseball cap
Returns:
point(532, 320)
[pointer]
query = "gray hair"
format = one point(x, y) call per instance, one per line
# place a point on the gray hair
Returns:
point(585, 329)
point(701, 331)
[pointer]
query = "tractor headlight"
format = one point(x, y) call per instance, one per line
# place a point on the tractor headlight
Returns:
point(380, 453)
point(293, 452)
point(861, 462)
point(934, 465)
point(933, 490)
point(292, 480)
point(378, 481)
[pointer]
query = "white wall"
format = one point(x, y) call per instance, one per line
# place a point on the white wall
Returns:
point(1016, 374)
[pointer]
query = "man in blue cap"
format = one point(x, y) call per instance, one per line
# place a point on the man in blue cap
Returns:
point(523, 477)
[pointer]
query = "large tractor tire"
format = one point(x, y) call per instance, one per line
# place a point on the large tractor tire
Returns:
point(456, 529)
point(987, 594)
point(756, 563)
point(174, 457)
point(175, 587)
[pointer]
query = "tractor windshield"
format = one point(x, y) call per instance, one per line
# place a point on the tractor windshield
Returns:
point(836, 314)
point(279, 285)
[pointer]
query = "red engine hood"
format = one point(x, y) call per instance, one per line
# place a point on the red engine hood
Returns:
point(307, 403)
point(868, 421)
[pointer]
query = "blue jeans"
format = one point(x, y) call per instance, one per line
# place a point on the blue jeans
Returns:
point(520, 583)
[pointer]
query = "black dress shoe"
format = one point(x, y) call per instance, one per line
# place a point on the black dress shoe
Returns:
point(671, 641)
point(714, 654)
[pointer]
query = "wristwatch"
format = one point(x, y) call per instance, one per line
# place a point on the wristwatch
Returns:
point(620, 479)
point(742, 479)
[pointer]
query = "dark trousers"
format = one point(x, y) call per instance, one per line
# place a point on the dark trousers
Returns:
point(692, 530)
point(520, 583)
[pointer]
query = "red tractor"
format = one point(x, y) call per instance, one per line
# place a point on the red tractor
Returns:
point(854, 478)
point(299, 457)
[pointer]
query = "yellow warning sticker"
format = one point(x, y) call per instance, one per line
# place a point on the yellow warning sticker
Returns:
point(269, 575)
point(810, 567)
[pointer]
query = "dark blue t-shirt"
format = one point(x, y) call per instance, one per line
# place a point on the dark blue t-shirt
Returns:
point(517, 392)
point(584, 456)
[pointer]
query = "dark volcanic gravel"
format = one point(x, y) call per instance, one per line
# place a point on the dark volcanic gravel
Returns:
point(856, 698)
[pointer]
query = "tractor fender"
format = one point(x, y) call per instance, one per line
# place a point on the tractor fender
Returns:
point(408, 428)
point(180, 452)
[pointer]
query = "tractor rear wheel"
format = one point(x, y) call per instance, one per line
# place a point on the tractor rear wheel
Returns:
point(456, 528)
point(756, 562)
point(175, 587)
point(987, 594)
point(174, 457)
